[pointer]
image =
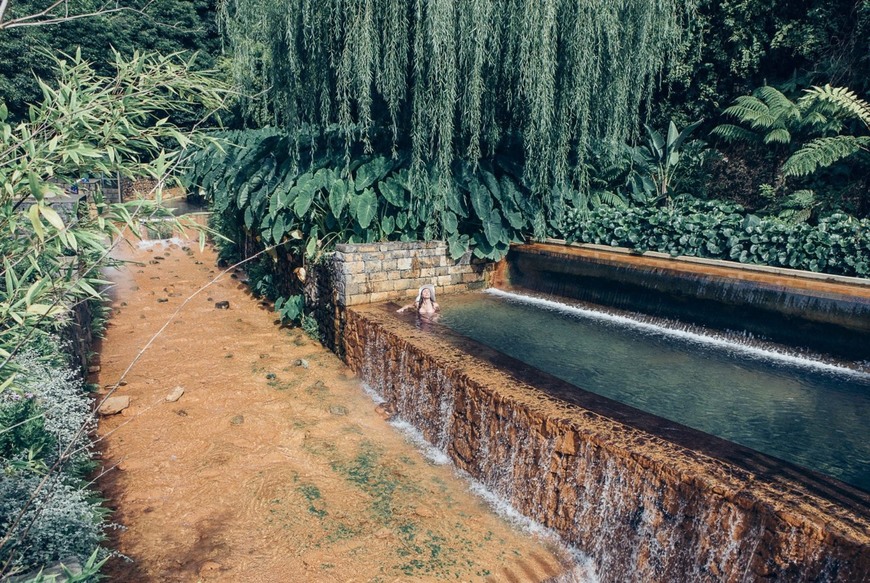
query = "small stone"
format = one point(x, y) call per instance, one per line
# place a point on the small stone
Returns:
point(162, 300)
point(175, 394)
point(383, 533)
point(271, 376)
point(114, 405)
point(209, 568)
point(94, 368)
point(224, 305)
point(237, 420)
point(154, 262)
point(301, 362)
point(181, 413)
point(338, 410)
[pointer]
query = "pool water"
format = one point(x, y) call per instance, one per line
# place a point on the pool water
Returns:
point(802, 411)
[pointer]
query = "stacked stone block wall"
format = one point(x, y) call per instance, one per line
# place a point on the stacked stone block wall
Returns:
point(379, 272)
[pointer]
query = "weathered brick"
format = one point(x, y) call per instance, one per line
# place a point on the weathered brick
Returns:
point(403, 264)
point(443, 280)
point(471, 277)
point(427, 272)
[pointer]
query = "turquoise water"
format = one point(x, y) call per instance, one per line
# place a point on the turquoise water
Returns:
point(808, 413)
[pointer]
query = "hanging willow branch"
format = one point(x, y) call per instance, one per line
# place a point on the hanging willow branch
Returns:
point(542, 79)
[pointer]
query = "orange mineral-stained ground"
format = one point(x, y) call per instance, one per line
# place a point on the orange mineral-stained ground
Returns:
point(273, 464)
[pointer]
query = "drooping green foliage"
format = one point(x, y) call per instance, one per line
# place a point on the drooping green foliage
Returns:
point(449, 78)
point(838, 244)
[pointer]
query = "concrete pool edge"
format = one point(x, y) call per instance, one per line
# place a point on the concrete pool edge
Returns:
point(605, 485)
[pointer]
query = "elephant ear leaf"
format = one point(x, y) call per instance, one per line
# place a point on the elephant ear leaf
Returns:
point(278, 229)
point(393, 192)
point(451, 223)
point(493, 229)
point(481, 200)
point(371, 172)
point(304, 191)
point(337, 196)
point(364, 207)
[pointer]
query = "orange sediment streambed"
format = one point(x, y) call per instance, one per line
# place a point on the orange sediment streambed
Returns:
point(274, 464)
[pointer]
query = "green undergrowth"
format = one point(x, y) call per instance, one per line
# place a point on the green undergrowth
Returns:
point(838, 244)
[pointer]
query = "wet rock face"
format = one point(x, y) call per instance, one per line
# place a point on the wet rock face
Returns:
point(641, 507)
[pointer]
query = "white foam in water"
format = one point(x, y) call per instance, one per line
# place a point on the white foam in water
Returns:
point(583, 569)
point(151, 243)
point(751, 351)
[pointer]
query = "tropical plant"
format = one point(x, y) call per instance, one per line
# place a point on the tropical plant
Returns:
point(51, 254)
point(266, 190)
point(840, 104)
point(655, 170)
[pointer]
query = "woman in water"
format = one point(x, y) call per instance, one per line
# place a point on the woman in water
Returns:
point(425, 303)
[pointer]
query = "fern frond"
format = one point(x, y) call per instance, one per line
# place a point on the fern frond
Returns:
point(796, 215)
point(746, 114)
point(751, 102)
point(779, 105)
point(823, 152)
point(778, 136)
point(733, 133)
point(845, 100)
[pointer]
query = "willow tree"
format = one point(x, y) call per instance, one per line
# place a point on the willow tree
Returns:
point(539, 80)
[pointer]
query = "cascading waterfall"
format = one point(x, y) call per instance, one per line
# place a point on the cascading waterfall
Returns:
point(641, 507)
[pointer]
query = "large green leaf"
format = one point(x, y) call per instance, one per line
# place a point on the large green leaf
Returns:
point(388, 225)
point(454, 199)
point(393, 192)
point(372, 171)
point(303, 194)
point(457, 246)
point(450, 222)
point(481, 199)
point(363, 207)
point(278, 229)
point(337, 196)
point(491, 183)
point(494, 230)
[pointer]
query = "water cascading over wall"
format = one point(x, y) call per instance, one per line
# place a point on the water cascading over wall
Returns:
point(828, 314)
point(643, 507)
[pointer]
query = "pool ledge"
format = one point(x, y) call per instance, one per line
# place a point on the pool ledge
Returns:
point(645, 498)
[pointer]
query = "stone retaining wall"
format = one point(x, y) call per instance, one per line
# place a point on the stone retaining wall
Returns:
point(380, 272)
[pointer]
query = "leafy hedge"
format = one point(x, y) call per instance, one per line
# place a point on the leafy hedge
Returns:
point(838, 244)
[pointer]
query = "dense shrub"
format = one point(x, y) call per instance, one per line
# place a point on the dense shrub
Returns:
point(838, 244)
point(46, 419)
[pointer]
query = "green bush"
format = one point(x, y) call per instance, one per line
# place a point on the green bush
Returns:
point(838, 244)
point(45, 425)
